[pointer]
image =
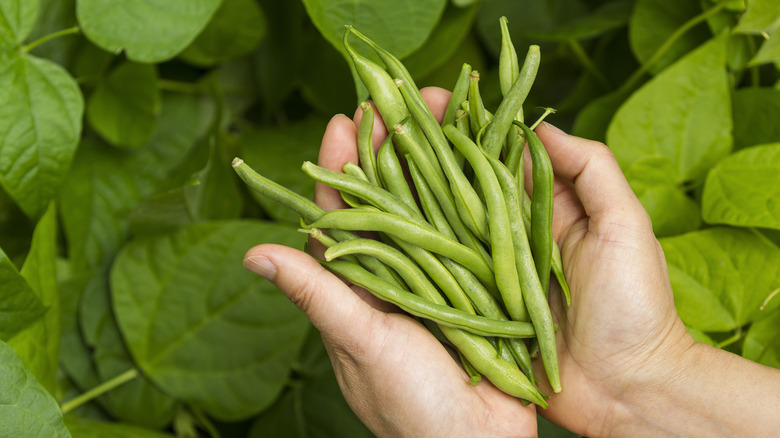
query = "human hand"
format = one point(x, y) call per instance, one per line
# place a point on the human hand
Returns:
point(621, 337)
point(394, 374)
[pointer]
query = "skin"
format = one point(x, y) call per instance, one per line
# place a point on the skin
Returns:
point(628, 366)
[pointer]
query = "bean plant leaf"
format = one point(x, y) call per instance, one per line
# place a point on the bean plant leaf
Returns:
point(671, 210)
point(399, 27)
point(654, 21)
point(199, 325)
point(721, 276)
point(684, 114)
point(756, 111)
point(85, 428)
point(608, 16)
point(40, 124)
point(124, 107)
point(17, 18)
point(326, 84)
point(446, 38)
point(20, 306)
point(27, 409)
point(105, 185)
point(762, 343)
point(235, 30)
point(38, 345)
point(760, 16)
point(744, 189)
point(277, 153)
point(147, 30)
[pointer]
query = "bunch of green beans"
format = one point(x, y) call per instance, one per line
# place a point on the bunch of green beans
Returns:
point(461, 244)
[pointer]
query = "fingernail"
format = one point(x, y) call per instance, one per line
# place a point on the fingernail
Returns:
point(554, 128)
point(261, 266)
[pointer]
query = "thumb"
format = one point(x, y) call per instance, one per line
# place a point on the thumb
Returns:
point(326, 300)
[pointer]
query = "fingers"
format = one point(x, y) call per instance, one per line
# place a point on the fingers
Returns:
point(327, 301)
point(339, 146)
point(598, 181)
point(437, 100)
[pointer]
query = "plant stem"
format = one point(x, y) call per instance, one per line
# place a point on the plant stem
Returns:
point(204, 422)
point(755, 75)
point(587, 63)
point(688, 25)
point(99, 390)
point(181, 87)
point(51, 36)
point(734, 338)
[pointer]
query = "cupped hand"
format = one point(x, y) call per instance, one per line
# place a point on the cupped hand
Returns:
point(395, 375)
point(621, 338)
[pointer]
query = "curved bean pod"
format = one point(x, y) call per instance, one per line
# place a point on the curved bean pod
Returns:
point(513, 101)
point(460, 93)
point(411, 232)
point(365, 143)
point(442, 315)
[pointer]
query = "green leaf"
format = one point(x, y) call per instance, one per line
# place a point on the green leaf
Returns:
point(760, 16)
point(399, 27)
point(26, 408)
point(277, 153)
point(105, 185)
point(124, 107)
point(84, 428)
point(762, 343)
point(20, 306)
point(769, 51)
point(326, 84)
point(683, 114)
point(594, 119)
point(236, 29)
point(756, 111)
point(671, 210)
point(654, 21)
point(147, 30)
point(608, 16)
point(17, 18)
point(446, 38)
point(199, 325)
point(38, 345)
point(721, 276)
point(39, 129)
point(744, 189)
point(700, 336)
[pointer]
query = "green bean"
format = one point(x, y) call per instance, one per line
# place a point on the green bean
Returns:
point(443, 315)
point(557, 263)
point(438, 185)
point(365, 143)
point(411, 232)
point(380, 85)
point(474, 376)
point(355, 186)
point(469, 207)
point(430, 207)
point(502, 249)
point(326, 241)
point(513, 101)
point(460, 93)
point(535, 297)
point(477, 113)
point(508, 72)
point(391, 174)
point(541, 206)
point(352, 169)
point(305, 208)
point(462, 123)
point(406, 268)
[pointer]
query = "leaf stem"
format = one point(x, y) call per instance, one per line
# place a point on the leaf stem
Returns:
point(769, 298)
point(688, 25)
point(99, 390)
point(181, 87)
point(587, 63)
point(69, 31)
point(204, 422)
point(734, 338)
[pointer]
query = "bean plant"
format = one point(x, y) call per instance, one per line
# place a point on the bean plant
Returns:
point(124, 308)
